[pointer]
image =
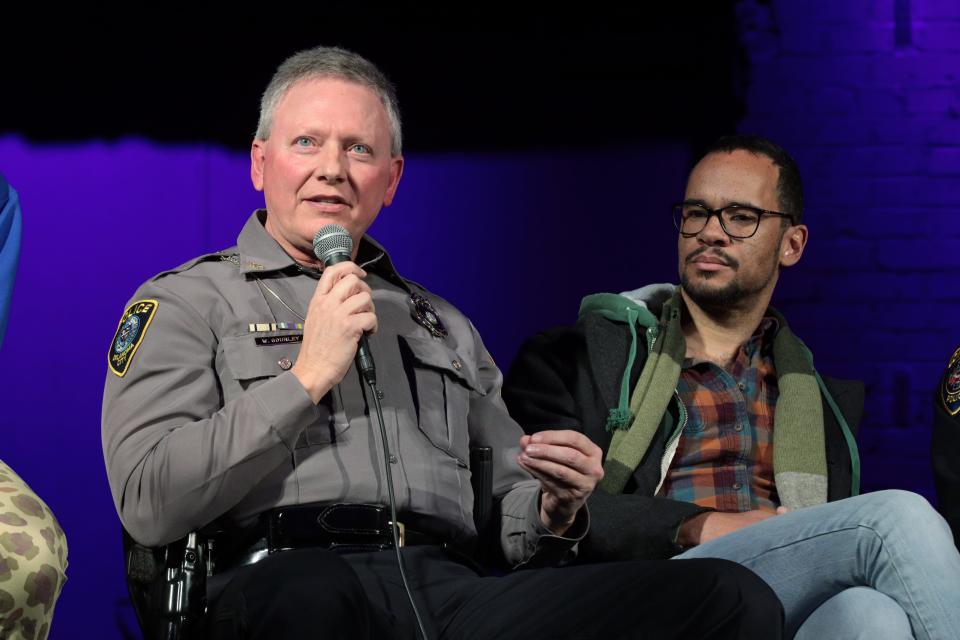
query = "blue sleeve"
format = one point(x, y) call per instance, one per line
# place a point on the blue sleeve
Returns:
point(9, 248)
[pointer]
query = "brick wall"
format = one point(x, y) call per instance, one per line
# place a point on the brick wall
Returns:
point(866, 96)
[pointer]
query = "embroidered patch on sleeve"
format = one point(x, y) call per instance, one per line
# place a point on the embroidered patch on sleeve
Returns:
point(133, 326)
point(950, 388)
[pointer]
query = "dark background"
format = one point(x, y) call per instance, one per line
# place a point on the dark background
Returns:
point(468, 80)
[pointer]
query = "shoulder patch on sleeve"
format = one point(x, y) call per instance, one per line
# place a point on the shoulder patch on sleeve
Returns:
point(950, 387)
point(133, 326)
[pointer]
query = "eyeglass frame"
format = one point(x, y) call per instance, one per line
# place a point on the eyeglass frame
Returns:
point(678, 223)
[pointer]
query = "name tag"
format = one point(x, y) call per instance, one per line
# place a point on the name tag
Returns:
point(268, 340)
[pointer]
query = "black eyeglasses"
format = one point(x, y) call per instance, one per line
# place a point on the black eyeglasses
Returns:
point(737, 220)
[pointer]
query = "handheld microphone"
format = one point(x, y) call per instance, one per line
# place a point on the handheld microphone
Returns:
point(333, 245)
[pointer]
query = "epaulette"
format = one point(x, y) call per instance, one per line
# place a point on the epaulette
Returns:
point(227, 255)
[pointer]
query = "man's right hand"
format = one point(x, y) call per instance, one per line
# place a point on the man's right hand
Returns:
point(713, 524)
point(340, 311)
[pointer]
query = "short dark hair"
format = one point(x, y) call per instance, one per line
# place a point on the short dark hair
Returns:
point(789, 185)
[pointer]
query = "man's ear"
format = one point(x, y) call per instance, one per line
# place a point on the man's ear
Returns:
point(257, 156)
point(792, 244)
point(396, 171)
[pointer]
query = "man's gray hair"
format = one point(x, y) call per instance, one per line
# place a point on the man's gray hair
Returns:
point(331, 62)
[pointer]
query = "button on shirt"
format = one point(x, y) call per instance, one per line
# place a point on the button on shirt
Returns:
point(724, 459)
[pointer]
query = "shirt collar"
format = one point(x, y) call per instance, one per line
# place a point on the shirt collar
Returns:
point(761, 338)
point(260, 253)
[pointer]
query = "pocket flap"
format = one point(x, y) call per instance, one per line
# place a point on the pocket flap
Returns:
point(436, 355)
point(247, 360)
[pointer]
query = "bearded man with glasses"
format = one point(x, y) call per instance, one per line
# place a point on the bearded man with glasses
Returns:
point(721, 439)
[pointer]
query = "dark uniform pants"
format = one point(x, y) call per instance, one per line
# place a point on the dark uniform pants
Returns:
point(315, 593)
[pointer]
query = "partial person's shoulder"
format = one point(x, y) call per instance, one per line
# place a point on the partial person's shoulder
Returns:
point(556, 344)
point(948, 393)
point(642, 306)
point(206, 271)
point(9, 202)
point(218, 264)
point(185, 298)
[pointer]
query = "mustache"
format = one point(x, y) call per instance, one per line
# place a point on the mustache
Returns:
point(730, 261)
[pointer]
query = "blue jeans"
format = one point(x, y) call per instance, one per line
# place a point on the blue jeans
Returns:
point(887, 551)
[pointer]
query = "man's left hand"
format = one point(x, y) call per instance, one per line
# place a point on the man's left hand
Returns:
point(568, 466)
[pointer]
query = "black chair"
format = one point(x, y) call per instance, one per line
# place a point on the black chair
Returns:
point(168, 585)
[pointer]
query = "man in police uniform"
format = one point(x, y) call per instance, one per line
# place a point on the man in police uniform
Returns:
point(231, 397)
point(945, 447)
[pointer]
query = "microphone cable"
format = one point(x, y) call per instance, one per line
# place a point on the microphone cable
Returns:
point(393, 507)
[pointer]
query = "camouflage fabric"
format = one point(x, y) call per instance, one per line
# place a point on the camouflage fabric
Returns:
point(33, 560)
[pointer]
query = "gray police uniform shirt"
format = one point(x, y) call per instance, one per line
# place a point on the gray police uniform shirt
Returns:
point(202, 419)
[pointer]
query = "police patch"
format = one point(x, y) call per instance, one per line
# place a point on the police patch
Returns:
point(133, 325)
point(950, 387)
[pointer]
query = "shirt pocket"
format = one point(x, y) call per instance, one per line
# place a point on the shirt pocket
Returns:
point(251, 365)
point(441, 383)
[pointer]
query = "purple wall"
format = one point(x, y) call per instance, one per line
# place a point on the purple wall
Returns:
point(866, 95)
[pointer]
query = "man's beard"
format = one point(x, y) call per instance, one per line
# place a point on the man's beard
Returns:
point(729, 296)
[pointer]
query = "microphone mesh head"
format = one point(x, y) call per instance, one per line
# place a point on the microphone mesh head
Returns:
point(332, 239)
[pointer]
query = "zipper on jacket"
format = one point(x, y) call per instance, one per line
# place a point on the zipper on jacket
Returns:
point(652, 333)
point(671, 449)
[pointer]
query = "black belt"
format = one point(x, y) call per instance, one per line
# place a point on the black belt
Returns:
point(338, 525)
point(345, 528)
